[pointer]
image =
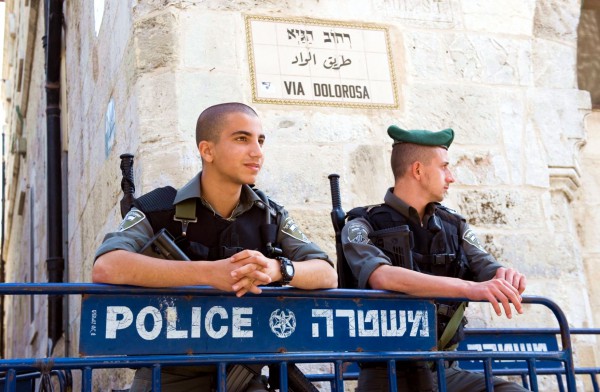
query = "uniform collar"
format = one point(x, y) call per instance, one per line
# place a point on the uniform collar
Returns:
point(193, 189)
point(409, 212)
point(190, 190)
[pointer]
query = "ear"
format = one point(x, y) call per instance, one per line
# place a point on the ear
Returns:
point(416, 170)
point(206, 151)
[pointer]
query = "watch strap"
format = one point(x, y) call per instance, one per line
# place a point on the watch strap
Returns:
point(284, 262)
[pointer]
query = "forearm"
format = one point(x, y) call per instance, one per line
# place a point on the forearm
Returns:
point(122, 267)
point(418, 284)
point(314, 274)
point(499, 292)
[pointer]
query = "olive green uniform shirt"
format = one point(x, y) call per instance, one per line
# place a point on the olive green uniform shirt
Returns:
point(134, 232)
point(364, 257)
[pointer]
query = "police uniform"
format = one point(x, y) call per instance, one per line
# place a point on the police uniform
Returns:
point(212, 237)
point(444, 245)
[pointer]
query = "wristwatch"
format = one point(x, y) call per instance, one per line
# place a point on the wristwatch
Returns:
point(286, 268)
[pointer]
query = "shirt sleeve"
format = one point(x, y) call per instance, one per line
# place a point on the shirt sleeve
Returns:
point(361, 255)
point(129, 237)
point(482, 264)
point(294, 243)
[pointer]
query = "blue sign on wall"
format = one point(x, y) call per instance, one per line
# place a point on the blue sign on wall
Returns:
point(509, 342)
point(114, 325)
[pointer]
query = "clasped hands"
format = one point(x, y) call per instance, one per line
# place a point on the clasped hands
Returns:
point(245, 271)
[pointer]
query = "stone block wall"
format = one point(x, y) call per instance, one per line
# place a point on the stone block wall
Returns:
point(501, 74)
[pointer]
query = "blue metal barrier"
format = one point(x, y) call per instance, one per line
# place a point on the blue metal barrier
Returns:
point(24, 382)
point(527, 339)
point(334, 326)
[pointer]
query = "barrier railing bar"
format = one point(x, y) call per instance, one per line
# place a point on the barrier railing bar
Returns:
point(339, 376)
point(441, 375)
point(536, 331)
point(532, 374)
point(11, 381)
point(487, 370)
point(312, 357)
point(393, 383)
point(560, 383)
point(156, 377)
point(524, 380)
point(87, 379)
point(565, 355)
point(283, 381)
point(524, 374)
point(222, 377)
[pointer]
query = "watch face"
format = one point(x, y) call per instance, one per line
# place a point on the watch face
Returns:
point(289, 269)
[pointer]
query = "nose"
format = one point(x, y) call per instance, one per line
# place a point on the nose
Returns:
point(450, 177)
point(256, 149)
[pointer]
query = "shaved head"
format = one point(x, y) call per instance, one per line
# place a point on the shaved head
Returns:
point(405, 154)
point(210, 122)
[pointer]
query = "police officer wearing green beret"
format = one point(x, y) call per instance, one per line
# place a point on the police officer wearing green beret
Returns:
point(447, 259)
point(217, 218)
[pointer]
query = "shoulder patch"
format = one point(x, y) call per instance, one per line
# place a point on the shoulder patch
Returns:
point(290, 228)
point(358, 233)
point(470, 237)
point(132, 218)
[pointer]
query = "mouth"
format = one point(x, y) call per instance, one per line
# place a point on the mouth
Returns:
point(253, 166)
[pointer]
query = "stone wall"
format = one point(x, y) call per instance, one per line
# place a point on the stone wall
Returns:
point(502, 74)
point(25, 219)
point(587, 207)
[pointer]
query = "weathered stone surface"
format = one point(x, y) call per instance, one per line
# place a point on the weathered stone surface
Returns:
point(502, 75)
point(287, 177)
point(483, 167)
point(588, 63)
point(556, 19)
point(469, 57)
point(211, 40)
point(564, 123)
point(506, 17)
point(472, 111)
point(553, 64)
point(156, 41)
point(588, 211)
point(501, 208)
point(422, 13)
point(371, 163)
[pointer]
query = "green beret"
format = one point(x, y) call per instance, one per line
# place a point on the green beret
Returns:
point(426, 138)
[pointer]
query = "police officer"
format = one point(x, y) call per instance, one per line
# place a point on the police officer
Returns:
point(447, 258)
point(217, 218)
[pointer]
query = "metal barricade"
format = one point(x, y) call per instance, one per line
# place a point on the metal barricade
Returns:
point(525, 339)
point(329, 326)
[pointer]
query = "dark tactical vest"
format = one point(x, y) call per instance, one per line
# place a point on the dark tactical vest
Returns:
point(211, 237)
point(437, 249)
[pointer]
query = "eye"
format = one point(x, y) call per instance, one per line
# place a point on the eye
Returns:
point(261, 141)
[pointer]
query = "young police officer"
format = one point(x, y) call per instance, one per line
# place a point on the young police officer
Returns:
point(217, 218)
point(448, 259)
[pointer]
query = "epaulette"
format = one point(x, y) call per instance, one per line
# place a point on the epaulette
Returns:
point(450, 211)
point(274, 207)
point(159, 199)
point(360, 212)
